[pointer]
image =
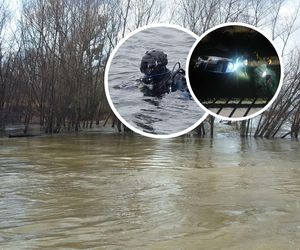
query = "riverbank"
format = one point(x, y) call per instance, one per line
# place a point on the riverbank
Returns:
point(37, 130)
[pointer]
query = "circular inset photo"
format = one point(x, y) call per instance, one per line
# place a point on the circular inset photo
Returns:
point(145, 82)
point(234, 71)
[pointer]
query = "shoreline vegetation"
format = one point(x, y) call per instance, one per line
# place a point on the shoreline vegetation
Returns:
point(53, 56)
point(220, 128)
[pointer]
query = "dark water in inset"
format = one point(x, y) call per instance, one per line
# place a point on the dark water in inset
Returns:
point(168, 115)
point(129, 192)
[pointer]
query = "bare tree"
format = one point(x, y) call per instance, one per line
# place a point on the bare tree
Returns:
point(53, 69)
point(6, 67)
point(286, 105)
point(63, 42)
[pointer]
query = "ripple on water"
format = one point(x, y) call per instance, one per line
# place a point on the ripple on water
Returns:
point(170, 114)
point(133, 192)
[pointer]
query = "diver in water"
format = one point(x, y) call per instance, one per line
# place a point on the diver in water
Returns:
point(265, 79)
point(158, 79)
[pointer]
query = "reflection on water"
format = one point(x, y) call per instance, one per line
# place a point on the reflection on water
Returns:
point(114, 191)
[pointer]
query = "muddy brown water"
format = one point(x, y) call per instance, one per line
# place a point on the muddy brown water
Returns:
point(128, 192)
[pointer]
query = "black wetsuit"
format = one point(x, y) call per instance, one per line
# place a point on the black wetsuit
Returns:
point(158, 79)
point(164, 82)
point(157, 84)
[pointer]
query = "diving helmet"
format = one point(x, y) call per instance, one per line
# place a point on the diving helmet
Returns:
point(154, 61)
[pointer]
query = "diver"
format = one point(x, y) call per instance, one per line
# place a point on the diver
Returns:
point(265, 78)
point(158, 79)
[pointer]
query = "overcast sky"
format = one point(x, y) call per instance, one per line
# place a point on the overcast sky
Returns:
point(286, 12)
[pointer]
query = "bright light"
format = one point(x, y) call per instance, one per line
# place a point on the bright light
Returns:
point(236, 66)
point(239, 64)
point(233, 66)
point(230, 67)
point(264, 74)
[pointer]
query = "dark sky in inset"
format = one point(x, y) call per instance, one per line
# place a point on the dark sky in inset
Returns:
point(231, 41)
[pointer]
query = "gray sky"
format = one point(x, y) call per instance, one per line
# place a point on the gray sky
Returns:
point(286, 12)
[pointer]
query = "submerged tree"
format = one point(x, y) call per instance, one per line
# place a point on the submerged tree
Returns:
point(6, 68)
point(199, 16)
point(61, 62)
point(52, 66)
point(285, 109)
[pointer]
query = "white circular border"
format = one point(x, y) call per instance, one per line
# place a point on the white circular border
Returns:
point(107, 88)
point(224, 117)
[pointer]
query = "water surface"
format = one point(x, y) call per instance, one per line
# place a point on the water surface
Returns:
point(129, 192)
point(168, 115)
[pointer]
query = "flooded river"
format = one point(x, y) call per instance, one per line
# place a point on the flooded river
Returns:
point(128, 192)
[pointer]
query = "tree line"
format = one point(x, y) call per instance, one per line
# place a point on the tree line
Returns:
point(53, 55)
